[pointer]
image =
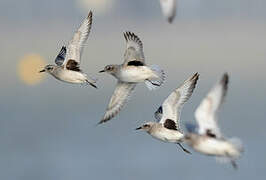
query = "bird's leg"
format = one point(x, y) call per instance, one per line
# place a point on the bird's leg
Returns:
point(232, 161)
point(187, 151)
point(91, 84)
point(234, 164)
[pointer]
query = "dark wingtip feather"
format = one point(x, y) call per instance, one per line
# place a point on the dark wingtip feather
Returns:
point(194, 80)
point(170, 19)
point(195, 77)
point(101, 122)
point(104, 120)
point(90, 15)
point(89, 19)
point(125, 36)
point(132, 36)
point(224, 81)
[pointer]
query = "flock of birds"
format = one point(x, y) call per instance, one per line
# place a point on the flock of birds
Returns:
point(205, 137)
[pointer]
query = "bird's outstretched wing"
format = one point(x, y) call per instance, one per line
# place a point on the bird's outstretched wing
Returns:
point(118, 100)
point(134, 55)
point(207, 111)
point(77, 43)
point(173, 104)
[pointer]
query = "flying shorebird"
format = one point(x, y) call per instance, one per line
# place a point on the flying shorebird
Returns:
point(209, 140)
point(167, 128)
point(169, 9)
point(134, 70)
point(67, 62)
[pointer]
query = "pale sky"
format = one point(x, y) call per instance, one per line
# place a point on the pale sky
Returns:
point(48, 130)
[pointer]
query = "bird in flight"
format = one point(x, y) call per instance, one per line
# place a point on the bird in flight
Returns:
point(133, 70)
point(207, 138)
point(167, 128)
point(67, 68)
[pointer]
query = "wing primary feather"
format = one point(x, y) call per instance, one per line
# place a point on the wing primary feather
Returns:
point(131, 36)
point(224, 82)
point(134, 49)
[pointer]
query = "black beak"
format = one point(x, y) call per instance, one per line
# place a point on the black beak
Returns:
point(42, 71)
point(101, 71)
point(138, 128)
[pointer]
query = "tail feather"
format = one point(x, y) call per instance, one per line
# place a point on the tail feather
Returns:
point(153, 84)
point(237, 143)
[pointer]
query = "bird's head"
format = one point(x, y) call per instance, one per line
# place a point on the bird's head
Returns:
point(146, 127)
point(48, 68)
point(111, 69)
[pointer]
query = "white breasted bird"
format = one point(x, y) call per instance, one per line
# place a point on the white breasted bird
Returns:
point(167, 128)
point(67, 68)
point(134, 70)
point(207, 138)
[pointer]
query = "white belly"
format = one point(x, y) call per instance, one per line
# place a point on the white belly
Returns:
point(137, 74)
point(215, 147)
point(166, 135)
point(70, 76)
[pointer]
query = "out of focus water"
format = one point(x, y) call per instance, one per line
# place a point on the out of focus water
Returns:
point(48, 131)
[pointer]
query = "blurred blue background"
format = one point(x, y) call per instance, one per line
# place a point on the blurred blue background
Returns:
point(48, 128)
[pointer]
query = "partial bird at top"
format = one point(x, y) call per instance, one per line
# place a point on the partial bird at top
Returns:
point(133, 70)
point(67, 68)
point(169, 9)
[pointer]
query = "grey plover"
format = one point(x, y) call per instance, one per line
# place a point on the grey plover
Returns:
point(167, 128)
point(208, 139)
point(134, 70)
point(168, 9)
point(67, 62)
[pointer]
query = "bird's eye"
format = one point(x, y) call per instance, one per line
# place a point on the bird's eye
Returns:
point(146, 125)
